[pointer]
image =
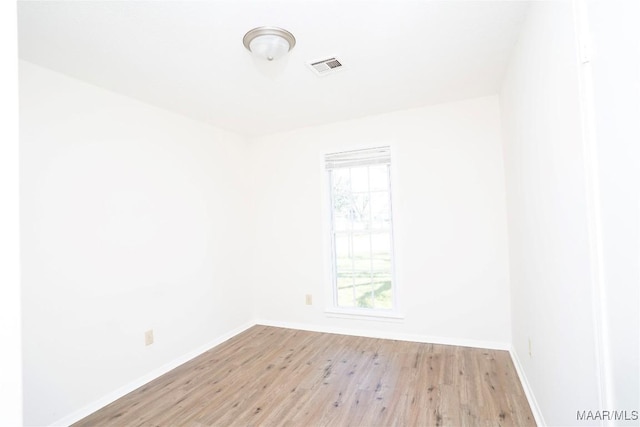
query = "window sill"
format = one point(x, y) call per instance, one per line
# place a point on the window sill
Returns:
point(381, 316)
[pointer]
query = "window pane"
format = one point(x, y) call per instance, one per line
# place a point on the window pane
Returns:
point(341, 222)
point(342, 217)
point(341, 199)
point(381, 262)
point(343, 253)
point(361, 252)
point(340, 180)
point(360, 179)
point(361, 204)
point(345, 290)
point(380, 210)
point(381, 250)
point(382, 290)
point(379, 177)
point(363, 290)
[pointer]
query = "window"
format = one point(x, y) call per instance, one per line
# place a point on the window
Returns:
point(361, 229)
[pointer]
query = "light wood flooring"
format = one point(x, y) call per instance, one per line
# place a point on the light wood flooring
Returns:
point(274, 376)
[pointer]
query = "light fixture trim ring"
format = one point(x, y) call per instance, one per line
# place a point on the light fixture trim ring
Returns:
point(268, 31)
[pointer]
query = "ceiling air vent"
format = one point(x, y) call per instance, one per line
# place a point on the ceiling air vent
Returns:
point(326, 66)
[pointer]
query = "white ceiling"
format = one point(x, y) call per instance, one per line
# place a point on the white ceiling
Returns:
point(188, 57)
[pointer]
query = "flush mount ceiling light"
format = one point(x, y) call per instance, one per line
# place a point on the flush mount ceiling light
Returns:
point(269, 42)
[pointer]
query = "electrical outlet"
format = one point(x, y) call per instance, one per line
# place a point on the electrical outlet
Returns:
point(148, 337)
point(308, 299)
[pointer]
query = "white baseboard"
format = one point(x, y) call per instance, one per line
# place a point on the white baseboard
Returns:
point(533, 403)
point(462, 342)
point(139, 382)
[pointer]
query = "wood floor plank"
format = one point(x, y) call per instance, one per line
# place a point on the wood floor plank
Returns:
point(269, 376)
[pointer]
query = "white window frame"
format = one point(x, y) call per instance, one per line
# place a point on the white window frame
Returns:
point(332, 309)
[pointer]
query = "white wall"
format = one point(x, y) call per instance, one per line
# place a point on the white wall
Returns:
point(550, 265)
point(132, 219)
point(10, 337)
point(449, 222)
point(615, 62)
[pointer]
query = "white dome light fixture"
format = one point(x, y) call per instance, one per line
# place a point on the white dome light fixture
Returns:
point(269, 42)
